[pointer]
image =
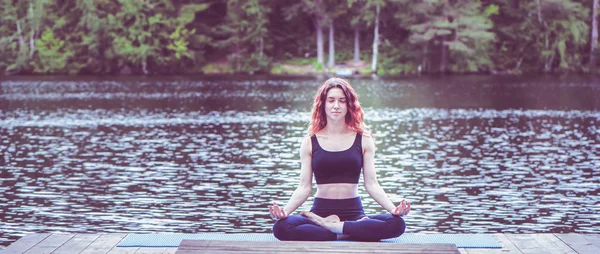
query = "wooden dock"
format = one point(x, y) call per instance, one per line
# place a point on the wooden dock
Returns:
point(106, 243)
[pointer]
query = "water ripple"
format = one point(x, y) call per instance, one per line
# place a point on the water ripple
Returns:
point(176, 169)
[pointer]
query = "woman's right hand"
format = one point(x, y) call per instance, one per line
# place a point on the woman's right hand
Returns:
point(276, 212)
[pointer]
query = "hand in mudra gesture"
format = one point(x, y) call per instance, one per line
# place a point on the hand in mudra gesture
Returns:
point(402, 209)
point(277, 213)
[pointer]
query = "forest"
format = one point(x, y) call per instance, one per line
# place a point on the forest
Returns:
point(384, 37)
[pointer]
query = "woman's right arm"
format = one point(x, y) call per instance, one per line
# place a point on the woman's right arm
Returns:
point(304, 189)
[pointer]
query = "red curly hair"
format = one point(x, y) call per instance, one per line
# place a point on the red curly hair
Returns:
point(354, 117)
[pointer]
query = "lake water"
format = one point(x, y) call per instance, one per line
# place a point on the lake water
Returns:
point(473, 154)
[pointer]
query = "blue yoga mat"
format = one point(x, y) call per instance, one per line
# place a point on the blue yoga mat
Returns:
point(173, 239)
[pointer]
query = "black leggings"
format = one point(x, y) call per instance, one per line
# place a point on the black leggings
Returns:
point(299, 228)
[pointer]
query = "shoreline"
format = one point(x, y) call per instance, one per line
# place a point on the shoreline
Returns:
point(307, 75)
point(303, 71)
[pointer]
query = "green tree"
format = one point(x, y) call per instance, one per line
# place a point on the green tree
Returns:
point(90, 38)
point(245, 32)
point(135, 32)
point(179, 42)
point(356, 9)
point(541, 35)
point(161, 36)
point(22, 23)
point(82, 26)
point(292, 35)
point(186, 44)
point(10, 44)
point(52, 54)
point(315, 9)
point(564, 30)
point(334, 11)
point(461, 27)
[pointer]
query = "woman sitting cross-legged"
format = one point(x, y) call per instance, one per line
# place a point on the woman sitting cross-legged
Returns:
point(335, 150)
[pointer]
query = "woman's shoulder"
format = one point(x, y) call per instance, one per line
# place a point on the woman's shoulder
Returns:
point(307, 138)
point(368, 141)
point(306, 142)
point(367, 134)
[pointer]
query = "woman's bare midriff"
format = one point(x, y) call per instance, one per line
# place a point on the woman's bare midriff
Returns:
point(337, 190)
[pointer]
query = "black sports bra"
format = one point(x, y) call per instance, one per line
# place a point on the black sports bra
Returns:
point(339, 166)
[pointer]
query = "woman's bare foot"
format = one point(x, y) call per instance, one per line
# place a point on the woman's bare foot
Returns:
point(322, 222)
point(333, 226)
point(333, 218)
point(344, 237)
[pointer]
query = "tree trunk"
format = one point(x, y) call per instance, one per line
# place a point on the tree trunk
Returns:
point(375, 42)
point(538, 5)
point(145, 66)
point(32, 32)
point(546, 36)
point(319, 40)
point(238, 55)
point(594, 38)
point(425, 56)
point(548, 66)
point(331, 62)
point(261, 48)
point(21, 39)
point(444, 60)
point(543, 25)
point(356, 46)
point(32, 43)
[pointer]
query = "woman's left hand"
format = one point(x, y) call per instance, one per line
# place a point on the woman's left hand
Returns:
point(402, 209)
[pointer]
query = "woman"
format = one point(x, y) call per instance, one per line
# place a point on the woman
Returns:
point(335, 150)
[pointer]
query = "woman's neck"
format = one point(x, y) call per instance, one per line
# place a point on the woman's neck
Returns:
point(335, 129)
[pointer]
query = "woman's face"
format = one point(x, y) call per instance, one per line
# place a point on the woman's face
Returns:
point(336, 105)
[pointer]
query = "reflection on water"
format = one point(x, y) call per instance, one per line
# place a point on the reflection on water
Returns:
point(208, 156)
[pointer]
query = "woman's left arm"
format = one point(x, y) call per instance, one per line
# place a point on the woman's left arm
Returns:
point(372, 185)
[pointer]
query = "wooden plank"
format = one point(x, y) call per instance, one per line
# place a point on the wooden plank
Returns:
point(152, 250)
point(171, 250)
point(578, 243)
point(77, 244)
point(198, 246)
point(123, 250)
point(255, 252)
point(193, 246)
point(553, 244)
point(308, 250)
point(50, 244)
point(592, 238)
point(104, 243)
point(25, 243)
point(526, 244)
point(507, 247)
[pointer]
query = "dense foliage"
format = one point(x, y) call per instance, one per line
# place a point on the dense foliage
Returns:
point(195, 36)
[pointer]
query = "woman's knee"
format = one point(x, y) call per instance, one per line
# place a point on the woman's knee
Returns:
point(280, 229)
point(397, 225)
point(284, 229)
